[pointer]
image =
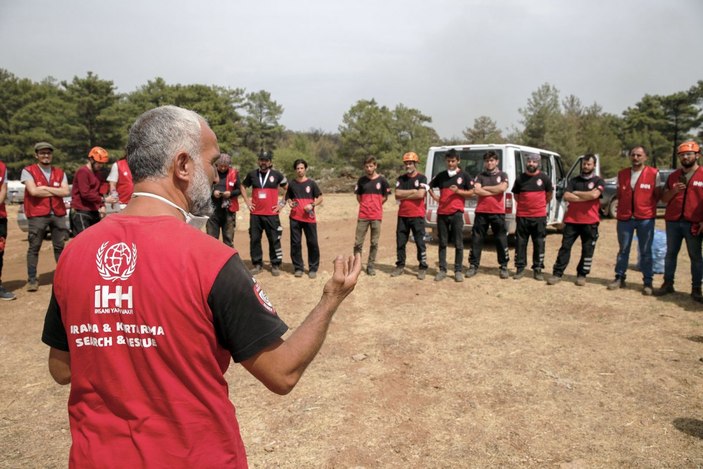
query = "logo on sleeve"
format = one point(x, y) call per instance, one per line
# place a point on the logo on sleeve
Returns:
point(116, 262)
point(263, 298)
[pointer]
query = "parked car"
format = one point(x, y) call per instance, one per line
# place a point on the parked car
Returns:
point(609, 199)
point(15, 192)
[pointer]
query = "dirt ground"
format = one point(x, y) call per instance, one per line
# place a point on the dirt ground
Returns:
point(484, 373)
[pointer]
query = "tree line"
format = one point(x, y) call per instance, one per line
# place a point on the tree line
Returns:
point(88, 111)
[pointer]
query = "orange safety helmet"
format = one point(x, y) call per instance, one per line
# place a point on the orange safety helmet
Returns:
point(685, 147)
point(411, 156)
point(99, 155)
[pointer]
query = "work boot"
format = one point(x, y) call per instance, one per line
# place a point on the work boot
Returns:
point(370, 270)
point(538, 275)
point(665, 289)
point(421, 274)
point(298, 273)
point(312, 274)
point(554, 279)
point(471, 271)
point(458, 277)
point(6, 295)
point(619, 282)
point(519, 274)
point(580, 281)
point(647, 290)
point(695, 294)
point(504, 273)
point(256, 269)
point(32, 285)
point(397, 272)
point(441, 275)
point(275, 270)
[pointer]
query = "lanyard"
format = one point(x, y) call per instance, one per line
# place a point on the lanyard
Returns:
point(162, 199)
point(262, 182)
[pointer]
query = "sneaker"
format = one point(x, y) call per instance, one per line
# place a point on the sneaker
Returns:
point(519, 274)
point(370, 270)
point(421, 274)
point(397, 272)
point(256, 270)
point(298, 273)
point(471, 271)
point(441, 275)
point(458, 277)
point(504, 273)
point(312, 274)
point(695, 294)
point(32, 285)
point(275, 270)
point(580, 281)
point(6, 295)
point(647, 290)
point(617, 283)
point(554, 279)
point(538, 275)
point(665, 289)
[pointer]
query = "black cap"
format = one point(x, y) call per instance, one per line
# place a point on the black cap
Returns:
point(265, 155)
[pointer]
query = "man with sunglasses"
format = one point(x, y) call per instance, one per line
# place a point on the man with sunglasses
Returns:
point(683, 195)
point(637, 195)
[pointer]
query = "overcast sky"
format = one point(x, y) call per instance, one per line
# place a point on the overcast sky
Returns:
point(454, 60)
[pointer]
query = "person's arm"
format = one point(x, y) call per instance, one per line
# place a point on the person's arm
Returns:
point(60, 365)
point(409, 194)
point(548, 196)
point(487, 191)
point(582, 196)
point(670, 192)
point(280, 366)
point(36, 191)
point(81, 182)
point(3, 191)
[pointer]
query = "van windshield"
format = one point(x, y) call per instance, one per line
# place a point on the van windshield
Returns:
point(471, 161)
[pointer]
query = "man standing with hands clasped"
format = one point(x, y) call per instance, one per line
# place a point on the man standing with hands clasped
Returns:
point(637, 195)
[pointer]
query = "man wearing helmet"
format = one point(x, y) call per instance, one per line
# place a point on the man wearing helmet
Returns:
point(87, 204)
point(45, 188)
point(410, 189)
point(225, 200)
point(264, 207)
point(683, 195)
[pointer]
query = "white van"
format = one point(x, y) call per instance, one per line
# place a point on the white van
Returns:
point(511, 160)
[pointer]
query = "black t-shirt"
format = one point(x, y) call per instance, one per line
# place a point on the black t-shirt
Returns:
point(243, 323)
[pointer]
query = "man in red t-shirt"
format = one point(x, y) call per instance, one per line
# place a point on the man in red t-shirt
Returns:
point(371, 191)
point(638, 193)
point(144, 326)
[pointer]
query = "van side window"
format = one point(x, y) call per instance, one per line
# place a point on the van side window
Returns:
point(546, 165)
point(519, 163)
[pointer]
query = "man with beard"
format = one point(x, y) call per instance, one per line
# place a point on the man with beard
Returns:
point(87, 204)
point(225, 200)
point(533, 191)
point(455, 186)
point(45, 188)
point(637, 195)
point(163, 316)
point(580, 221)
point(410, 189)
point(683, 195)
point(489, 186)
point(265, 207)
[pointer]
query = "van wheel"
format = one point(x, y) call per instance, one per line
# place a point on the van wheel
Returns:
point(613, 208)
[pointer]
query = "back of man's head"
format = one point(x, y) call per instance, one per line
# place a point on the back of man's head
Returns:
point(159, 134)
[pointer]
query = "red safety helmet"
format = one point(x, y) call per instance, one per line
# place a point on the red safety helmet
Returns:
point(411, 156)
point(99, 155)
point(685, 147)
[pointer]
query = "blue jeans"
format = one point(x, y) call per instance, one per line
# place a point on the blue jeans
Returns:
point(676, 232)
point(645, 235)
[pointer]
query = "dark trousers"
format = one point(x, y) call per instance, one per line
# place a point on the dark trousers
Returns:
point(589, 236)
point(535, 228)
point(225, 221)
point(402, 233)
point(478, 234)
point(3, 237)
point(297, 228)
point(451, 227)
point(83, 219)
point(271, 225)
point(36, 229)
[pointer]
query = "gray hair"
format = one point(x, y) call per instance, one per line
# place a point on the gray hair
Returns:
point(158, 135)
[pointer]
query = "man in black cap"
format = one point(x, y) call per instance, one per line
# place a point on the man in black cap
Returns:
point(264, 206)
point(45, 188)
point(533, 190)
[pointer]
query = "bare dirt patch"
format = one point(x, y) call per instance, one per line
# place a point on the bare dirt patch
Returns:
point(484, 373)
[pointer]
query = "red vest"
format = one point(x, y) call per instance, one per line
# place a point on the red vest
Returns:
point(161, 395)
point(686, 205)
point(3, 171)
point(640, 203)
point(124, 185)
point(42, 206)
point(231, 183)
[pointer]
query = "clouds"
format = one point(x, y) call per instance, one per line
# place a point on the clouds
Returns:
point(453, 60)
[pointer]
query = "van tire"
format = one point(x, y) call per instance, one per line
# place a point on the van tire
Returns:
point(613, 208)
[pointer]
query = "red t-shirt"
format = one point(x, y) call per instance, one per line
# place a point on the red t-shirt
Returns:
point(151, 326)
point(449, 202)
point(372, 192)
point(264, 193)
point(303, 193)
point(530, 192)
point(491, 203)
point(411, 208)
point(587, 212)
